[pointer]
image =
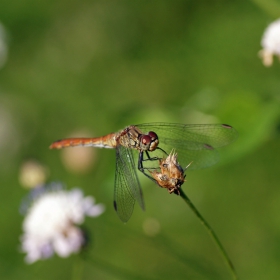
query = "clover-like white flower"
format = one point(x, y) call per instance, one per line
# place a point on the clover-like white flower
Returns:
point(51, 223)
point(270, 43)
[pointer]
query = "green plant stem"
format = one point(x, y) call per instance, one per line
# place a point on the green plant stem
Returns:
point(212, 234)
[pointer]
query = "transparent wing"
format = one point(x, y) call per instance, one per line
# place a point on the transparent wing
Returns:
point(127, 186)
point(192, 142)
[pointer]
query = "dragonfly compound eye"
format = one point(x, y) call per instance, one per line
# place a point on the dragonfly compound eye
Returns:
point(153, 135)
point(146, 139)
point(149, 141)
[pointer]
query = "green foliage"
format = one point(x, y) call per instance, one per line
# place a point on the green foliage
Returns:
point(101, 65)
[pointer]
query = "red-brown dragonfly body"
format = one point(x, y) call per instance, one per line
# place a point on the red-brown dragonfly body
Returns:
point(131, 137)
point(193, 143)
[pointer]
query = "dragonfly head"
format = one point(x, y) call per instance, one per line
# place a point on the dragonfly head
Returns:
point(149, 142)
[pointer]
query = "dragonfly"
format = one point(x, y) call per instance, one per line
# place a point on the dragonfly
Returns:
point(137, 146)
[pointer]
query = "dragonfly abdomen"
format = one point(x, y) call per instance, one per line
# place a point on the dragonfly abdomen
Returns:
point(107, 141)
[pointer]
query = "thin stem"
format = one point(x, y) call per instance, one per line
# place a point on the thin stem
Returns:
point(212, 234)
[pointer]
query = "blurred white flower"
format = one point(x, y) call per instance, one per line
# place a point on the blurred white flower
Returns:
point(32, 174)
point(79, 160)
point(151, 227)
point(270, 43)
point(51, 223)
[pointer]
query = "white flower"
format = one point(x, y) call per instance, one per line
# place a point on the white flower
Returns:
point(271, 43)
point(50, 224)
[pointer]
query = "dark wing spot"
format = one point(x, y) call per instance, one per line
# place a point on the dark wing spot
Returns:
point(226, 126)
point(115, 205)
point(209, 147)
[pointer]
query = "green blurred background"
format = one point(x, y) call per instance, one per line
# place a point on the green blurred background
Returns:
point(97, 66)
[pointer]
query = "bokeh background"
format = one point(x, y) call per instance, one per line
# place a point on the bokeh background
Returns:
point(92, 67)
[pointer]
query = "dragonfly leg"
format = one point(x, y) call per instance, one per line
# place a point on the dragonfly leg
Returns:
point(149, 158)
point(158, 148)
point(141, 168)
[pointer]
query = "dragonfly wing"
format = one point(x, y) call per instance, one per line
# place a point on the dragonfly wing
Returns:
point(127, 186)
point(192, 142)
